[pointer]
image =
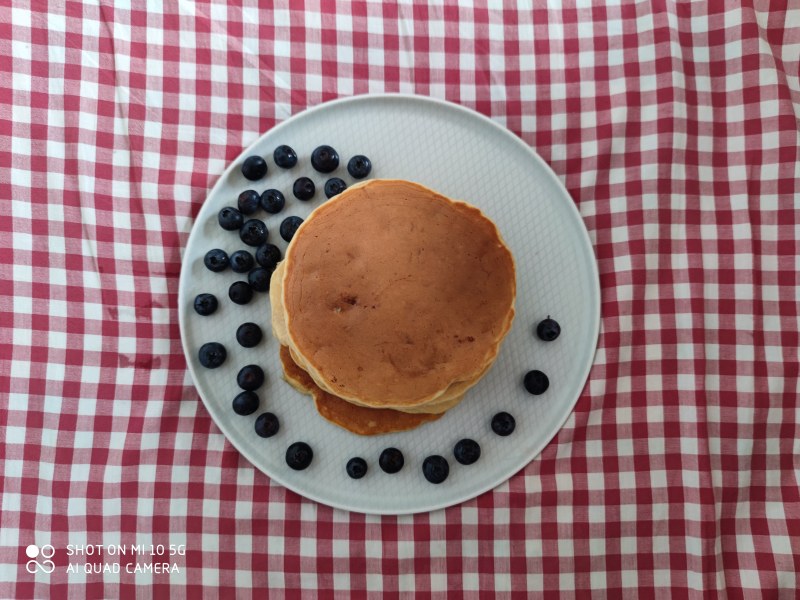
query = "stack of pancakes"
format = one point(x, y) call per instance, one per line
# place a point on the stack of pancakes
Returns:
point(391, 303)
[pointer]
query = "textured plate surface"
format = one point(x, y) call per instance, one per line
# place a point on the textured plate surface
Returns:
point(464, 156)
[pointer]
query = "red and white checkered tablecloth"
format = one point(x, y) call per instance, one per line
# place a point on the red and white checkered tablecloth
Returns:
point(673, 124)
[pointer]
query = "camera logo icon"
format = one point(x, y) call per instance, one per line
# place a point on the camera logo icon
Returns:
point(46, 552)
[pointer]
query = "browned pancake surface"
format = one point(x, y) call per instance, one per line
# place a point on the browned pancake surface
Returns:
point(358, 419)
point(452, 396)
point(392, 292)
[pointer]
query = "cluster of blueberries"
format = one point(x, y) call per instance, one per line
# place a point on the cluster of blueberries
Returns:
point(267, 257)
point(253, 232)
point(324, 159)
point(259, 267)
point(435, 468)
point(535, 382)
point(249, 378)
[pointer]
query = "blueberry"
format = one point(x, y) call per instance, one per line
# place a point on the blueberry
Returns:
point(245, 403)
point(250, 377)
point(212, 355)
point(467, 451)
point(240, 292)
point(272, 201)
point(536, 382)
point(303, 189)
point(503, 424)
point(435, 468)
point(359, 166)
point(248, 202)
point(268, 256)
point(289, 227)
point(242, 261)
point(391, 460)
point(267, 425)
point(324, 159)
point(254, 168)
point(230, 218)
point(249, 335)
point(299, 455)
point(285, 157)
point(356, 467)
point(216, 260)
point(334, 186)
point(259, 278)
point(548, 329)
point(205, 304)
point(253, 232)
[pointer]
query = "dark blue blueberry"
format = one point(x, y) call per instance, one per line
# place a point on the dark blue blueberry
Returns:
point(435, 468)
point(272, 201)
point(205, 304)
point(548, 329)
point(285, 157)
point(267, 425)
point(216, 260)
point(242, 261)
point(359, 166)
point(253, 232)
point(391, 460)
point(289, 227)
point(248, 202)
point(334, 186)
point(245, 403)
point(303, 189)
point(324, 159)
point(230, 218)
point(250, 377)
point(268, 256)
point(249, 335)
point(356, 467)
point(212, 355)
point(467, 451)
point(299, 455)
point(240, 292)
point(254, 168)
point(503, 424)
point(259, 278)
point(536, 382)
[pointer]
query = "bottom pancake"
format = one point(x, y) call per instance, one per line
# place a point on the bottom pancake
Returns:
point(354, 418)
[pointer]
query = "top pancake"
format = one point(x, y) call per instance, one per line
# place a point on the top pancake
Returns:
point(393, 292)
point(452, 396)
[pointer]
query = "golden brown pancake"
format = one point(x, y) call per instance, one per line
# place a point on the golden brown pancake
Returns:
point(452, 396)
point(393, 293)
point(358, 419)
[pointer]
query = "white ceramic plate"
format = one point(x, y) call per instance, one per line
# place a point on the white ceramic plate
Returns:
point(464, 156)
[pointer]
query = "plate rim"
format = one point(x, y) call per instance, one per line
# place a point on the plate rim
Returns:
point(383, 97)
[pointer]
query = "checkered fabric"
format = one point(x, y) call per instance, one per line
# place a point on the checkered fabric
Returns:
point(673, 124)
